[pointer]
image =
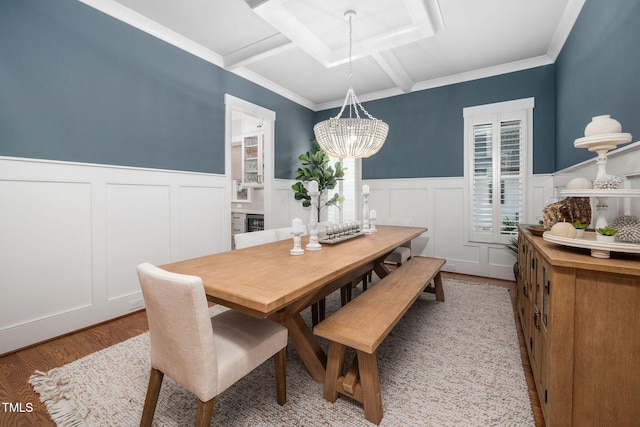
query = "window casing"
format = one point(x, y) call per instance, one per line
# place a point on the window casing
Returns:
point(497, 147)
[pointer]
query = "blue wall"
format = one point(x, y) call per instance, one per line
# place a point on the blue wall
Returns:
point(598, 72)
point(426, 127)
point(78, 85)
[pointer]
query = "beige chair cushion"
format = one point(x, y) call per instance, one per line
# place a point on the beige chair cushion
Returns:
point(400, 255)
point(243, 343)
point(204, 355)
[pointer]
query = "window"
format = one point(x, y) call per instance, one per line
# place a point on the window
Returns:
point(497, 139)
point(348, 187)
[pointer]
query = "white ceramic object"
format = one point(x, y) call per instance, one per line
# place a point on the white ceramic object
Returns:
point(579, 184)
point(563, 229)
point(605, 239)
point(601, 125)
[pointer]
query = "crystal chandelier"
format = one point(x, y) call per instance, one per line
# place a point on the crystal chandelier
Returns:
point(353, 136)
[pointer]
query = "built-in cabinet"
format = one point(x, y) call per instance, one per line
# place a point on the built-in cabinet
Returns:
point(252, 160)
point(248, 132)
point(581, 322)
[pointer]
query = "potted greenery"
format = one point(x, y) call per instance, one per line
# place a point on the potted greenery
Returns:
point(513, 247)
point(606, 234)
point(580, 227)
point(316, 167)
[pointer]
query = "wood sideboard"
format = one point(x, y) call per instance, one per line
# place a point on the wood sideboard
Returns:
point(581, 320)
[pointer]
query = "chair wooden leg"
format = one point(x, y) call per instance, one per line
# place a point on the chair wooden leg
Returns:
point(314, 314)
point(205, 413)
point(280, 359)
point(151, 400)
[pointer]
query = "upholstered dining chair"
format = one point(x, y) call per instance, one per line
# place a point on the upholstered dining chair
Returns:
point(203, 354)
point(402, 253)
point(284, 233)
point(253, 238)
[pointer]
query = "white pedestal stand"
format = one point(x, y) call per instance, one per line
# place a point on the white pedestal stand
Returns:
point(602, 144)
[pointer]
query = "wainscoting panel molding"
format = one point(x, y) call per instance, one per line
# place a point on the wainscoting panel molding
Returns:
point(72, 234)
point(45, 250)
point(138, 230)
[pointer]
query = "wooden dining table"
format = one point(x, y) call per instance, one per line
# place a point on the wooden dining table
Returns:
point(266, 281)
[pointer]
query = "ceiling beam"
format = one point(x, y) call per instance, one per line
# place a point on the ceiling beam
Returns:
point(394, 69)
point(262, 49)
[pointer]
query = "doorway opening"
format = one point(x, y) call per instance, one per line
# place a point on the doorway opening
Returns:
point(249, 145)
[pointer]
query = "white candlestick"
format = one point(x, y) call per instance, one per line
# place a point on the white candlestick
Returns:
point(313, 244)
point(365, 189)
point(297, 241)
point(365, 210)
point(372, 221)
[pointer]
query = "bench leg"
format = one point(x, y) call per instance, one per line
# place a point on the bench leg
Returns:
point(335, 361)
point(437, 287)
point(370, 381)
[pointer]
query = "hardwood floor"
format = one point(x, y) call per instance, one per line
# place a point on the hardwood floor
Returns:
point(16, 367)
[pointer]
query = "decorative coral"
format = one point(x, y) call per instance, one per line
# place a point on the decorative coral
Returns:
point(607, 182)
point(628, 227)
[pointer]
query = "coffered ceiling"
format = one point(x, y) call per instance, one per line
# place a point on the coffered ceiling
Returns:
point(300, 48)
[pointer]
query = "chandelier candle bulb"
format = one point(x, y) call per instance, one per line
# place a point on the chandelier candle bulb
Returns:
point(365, 189)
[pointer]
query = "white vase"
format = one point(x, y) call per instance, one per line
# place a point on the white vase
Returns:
point(600, 125)
point(579, 233)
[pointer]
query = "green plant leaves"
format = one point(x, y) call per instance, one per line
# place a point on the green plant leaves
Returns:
point(315, 167)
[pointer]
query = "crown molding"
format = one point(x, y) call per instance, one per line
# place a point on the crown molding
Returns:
point(567, 21)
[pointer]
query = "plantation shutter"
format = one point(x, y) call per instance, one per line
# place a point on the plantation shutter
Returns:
point(498, 172)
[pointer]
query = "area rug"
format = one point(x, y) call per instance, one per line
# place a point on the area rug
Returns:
point(455, 363)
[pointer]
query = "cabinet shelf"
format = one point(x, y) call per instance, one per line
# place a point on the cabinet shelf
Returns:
point(252, 155)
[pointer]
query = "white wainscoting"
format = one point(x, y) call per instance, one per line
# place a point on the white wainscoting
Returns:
point(438, 204)
point(71, 236)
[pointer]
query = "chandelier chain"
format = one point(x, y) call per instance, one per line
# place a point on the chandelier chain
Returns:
point(353, 136)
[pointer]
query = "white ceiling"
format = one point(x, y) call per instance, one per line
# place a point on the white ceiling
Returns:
point(299, 48)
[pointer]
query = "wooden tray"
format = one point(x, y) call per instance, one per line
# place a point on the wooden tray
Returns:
point(341, 239)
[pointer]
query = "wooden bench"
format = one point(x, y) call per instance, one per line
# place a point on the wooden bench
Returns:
point(364, 323)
